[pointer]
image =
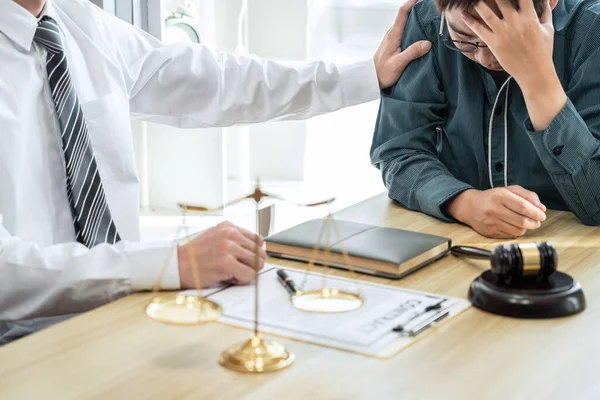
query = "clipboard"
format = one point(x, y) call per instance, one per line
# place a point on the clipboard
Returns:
point(367, 331)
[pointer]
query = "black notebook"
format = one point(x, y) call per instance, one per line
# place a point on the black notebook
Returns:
point(388, 252)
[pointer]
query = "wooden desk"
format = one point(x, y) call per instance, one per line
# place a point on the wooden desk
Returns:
point(116, 352)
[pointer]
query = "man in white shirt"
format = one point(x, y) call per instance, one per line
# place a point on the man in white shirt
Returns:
point(72, 76)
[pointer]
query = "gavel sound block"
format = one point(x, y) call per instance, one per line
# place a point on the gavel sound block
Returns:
point(523, 282)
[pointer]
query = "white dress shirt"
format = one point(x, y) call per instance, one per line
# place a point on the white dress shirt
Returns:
point(119, 72)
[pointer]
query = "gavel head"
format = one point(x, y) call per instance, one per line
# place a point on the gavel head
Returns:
point(526, 260)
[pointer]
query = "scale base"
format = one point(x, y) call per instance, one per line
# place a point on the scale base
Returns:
point(558, 296)
point(256, 355)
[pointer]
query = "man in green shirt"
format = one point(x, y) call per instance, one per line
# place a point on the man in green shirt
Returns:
point(501, 119)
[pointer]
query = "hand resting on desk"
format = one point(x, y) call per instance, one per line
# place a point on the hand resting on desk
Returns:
point(223, 253)
point(502, 213)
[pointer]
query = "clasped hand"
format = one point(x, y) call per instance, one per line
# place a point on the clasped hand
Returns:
point(502, 213)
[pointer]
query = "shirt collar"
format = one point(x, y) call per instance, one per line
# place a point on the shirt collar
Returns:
point(18, 24)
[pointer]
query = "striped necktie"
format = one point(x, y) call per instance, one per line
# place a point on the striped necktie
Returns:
point(91, 217)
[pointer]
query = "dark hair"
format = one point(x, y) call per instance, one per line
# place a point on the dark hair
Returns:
point(444, 5)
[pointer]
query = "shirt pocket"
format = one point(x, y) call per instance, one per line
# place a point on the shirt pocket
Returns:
point(108, 123)
point(443, 151)
point(439, 140)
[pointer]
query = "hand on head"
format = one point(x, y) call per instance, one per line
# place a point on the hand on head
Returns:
point(390, 60)
point(502, 213)
point(520, 40)
point(223, 253)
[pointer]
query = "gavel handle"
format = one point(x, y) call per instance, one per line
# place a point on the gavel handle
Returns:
point(471, 252)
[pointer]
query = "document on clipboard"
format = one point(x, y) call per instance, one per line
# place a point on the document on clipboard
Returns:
point(371, 330)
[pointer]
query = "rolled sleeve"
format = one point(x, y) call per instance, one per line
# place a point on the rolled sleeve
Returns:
point(437, 192)
point(567, 144)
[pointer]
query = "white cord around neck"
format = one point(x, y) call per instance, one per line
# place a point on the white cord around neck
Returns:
point(505, 134)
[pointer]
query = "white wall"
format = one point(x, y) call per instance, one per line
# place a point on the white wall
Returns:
point(176, 165)
point(273, 29)
point(337, 149)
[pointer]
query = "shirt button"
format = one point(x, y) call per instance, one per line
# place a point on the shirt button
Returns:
point(499, 166)
point(558, 150)
point(498, 111)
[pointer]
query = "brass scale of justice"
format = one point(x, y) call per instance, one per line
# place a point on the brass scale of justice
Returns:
point(257, 354)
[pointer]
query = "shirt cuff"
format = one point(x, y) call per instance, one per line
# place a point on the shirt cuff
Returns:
point(567, 144)
point(437, 192)
point(147, 261)
point(359, 82)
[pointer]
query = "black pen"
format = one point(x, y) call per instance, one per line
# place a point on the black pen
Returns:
point(435, 306)
point(287, 282)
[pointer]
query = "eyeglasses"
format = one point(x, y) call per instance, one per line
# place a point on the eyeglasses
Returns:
point(457, 45)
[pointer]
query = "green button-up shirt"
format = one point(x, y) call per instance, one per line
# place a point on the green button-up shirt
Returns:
point(431, 136)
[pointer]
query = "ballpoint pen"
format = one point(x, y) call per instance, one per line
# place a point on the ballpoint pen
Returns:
point(413, 329)
point(287, 282)
point(422, 325)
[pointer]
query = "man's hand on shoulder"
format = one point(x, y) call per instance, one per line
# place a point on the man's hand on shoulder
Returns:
point(390, 60)
point(502, 213)
point(223, 253)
